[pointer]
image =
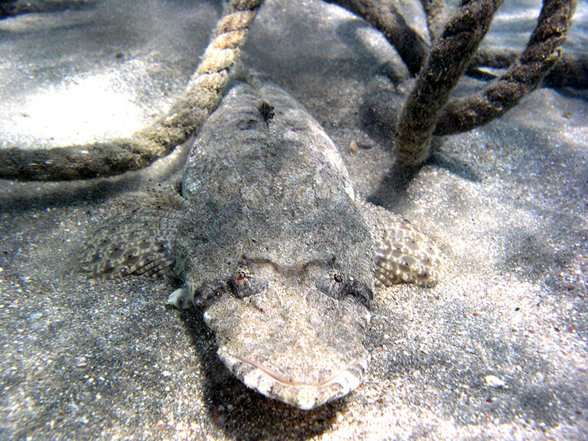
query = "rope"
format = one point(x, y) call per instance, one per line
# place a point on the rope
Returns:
point(444, 66)
point(384, 16)
point(202, 95)
point(522, 77)
point(14, 7)
point(436, 17)
point(571, 70)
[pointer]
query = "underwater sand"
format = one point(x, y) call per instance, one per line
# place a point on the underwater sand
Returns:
point(497, 350)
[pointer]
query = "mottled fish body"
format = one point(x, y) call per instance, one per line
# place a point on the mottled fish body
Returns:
point(272, 209)
point(271, 240)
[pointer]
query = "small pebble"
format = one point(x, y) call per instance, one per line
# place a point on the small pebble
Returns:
point(494, 381)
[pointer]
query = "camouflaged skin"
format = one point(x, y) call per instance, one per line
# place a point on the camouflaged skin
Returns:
point(270, 238)
point(288, 268)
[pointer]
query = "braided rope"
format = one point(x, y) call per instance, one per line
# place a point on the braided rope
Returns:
point(571, 70)
point(202, 95)
point(444, 66)
point(385, 17)
point(435, 14)
point(425, 113)
point(12, 8)
point(522, 77)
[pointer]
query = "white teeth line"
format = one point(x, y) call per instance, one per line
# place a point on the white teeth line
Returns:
point(305, 396)
point(231, 361)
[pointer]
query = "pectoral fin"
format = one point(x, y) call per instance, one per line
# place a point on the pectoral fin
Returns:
point(137, 242)
point(402, 253)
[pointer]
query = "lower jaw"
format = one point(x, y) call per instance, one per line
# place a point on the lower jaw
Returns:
point(302, 395)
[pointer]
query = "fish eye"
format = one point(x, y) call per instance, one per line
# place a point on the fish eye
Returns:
point(239, 283)
point(244, 284)
point(334, 285)
point(240, 279)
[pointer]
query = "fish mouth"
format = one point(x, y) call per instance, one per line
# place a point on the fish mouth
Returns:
point(301, 394)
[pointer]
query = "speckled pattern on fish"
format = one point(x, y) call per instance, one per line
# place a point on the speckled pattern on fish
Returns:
point(269, 237)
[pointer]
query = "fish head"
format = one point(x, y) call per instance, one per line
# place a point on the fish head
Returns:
point(293, 334)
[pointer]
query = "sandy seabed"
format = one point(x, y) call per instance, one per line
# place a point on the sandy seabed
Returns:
point(497, 350)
